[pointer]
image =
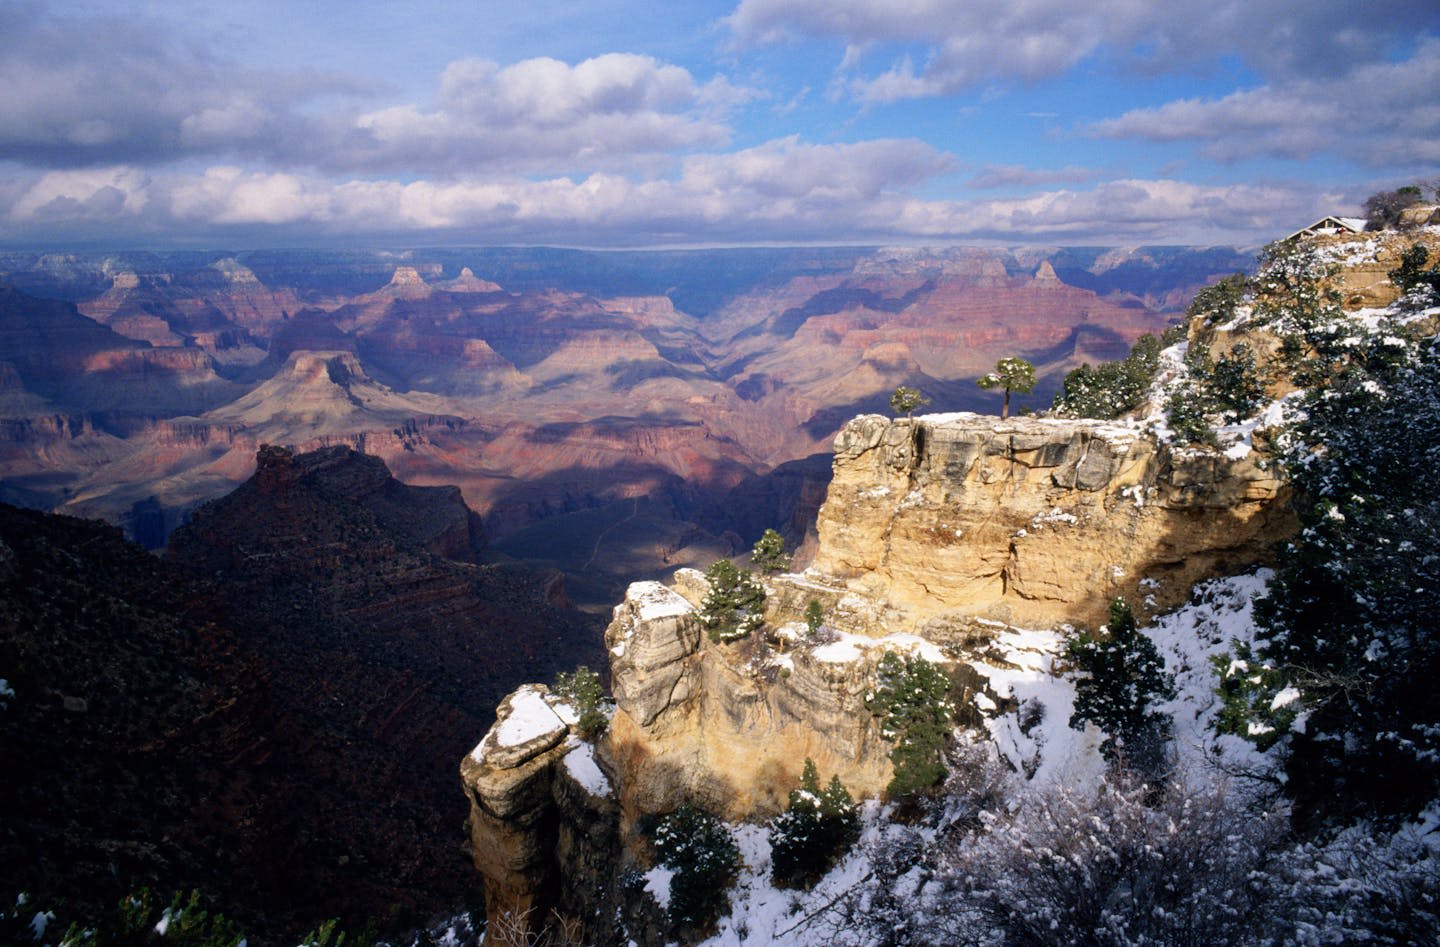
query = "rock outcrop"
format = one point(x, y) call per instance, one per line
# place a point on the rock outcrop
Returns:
point(937, 533)
point(544, 822)
point(1033, 522)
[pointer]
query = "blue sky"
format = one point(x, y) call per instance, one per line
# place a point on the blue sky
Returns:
point(620, 123)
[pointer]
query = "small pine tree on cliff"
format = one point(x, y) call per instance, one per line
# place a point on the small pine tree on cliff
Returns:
point(700, 851)
point(768, 554)
point(906, 399)
point(1010, 374)
point(813, 832)
point(912, 699)
point(582, 690)
point(735, 604)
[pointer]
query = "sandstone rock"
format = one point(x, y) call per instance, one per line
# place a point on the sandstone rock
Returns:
point(544, 822)
point(1033, 521)
point(729, 726)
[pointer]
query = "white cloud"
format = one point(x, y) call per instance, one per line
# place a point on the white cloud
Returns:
point(971, 42)
point(784, 190)
point(106, 91)
point(1382, 114)
point(543, 113)
point(90, 194)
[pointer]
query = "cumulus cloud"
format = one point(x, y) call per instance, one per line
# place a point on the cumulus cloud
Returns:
point(1383, 114)
point(784, 190)
point(97, 91)
point(545, 113)
point(102, 91)
point(971, 42)
point(1125, 210)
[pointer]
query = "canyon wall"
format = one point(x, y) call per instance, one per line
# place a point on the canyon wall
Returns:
point(1032, 521)
point(937, 533)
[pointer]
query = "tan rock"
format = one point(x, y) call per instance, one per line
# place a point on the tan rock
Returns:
point(1033, 522)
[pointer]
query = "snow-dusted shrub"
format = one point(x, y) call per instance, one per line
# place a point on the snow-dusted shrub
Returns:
point(1111, 388)
point(1112, 868)
point(734, 606)
point(815, 829)
point(700, 851)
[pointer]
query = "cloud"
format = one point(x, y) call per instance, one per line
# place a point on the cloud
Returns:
point(1384, 114)
point(97, 91)
point(1126, 211)
point(105, 91)
point(541, 113)
point(783, 191)
point(972, 42)
point(996, 176)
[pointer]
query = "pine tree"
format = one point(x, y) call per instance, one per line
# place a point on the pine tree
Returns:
point(912, 699)
point(1350, 628)
point(734, 606)
point(700, 851)
point(814, 616)
point(1124, 678)
point(1010, 374)
point(583, 691)
point(814, 830)
point(768, 554)
point(905, 400)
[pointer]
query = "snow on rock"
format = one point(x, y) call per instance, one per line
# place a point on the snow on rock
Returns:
point(530, 717)
point(526, 725)
point(580, 764)
point(655, 601)
point(845, 648)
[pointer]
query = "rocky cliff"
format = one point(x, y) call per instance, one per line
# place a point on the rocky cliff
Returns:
point(1031, 521)
point(937, 534)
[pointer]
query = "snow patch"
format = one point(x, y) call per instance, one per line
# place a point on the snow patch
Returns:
point(530, 717)
point(654, 601)
point(657, 883)
point(580, 764)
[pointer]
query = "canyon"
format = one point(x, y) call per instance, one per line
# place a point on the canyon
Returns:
point(611, 414)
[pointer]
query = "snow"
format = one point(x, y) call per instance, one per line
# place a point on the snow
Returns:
point(1220, 613)
point(654, 601)
point(530, 717)
point(846, 648)
point(657, 883)
point(1020, 666)
point(762, 914)
point(580, 764)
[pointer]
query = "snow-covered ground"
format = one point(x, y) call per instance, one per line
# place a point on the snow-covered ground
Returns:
point(1035, 741)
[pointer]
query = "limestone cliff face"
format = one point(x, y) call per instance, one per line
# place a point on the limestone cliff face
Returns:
point(544, 823)
point(1033, 522)
point(725, 727)
point(729, 726)
point(936, 533)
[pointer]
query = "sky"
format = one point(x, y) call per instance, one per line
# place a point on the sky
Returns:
point(617, 123)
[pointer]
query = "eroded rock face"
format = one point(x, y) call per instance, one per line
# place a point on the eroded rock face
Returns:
point(544, 822)
point(729, 727)
point(1033, 522)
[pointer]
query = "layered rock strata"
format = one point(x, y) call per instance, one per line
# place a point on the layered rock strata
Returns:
point(1033, 522)
point(936, 534)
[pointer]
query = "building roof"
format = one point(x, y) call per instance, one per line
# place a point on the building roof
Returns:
point(1331, 224)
